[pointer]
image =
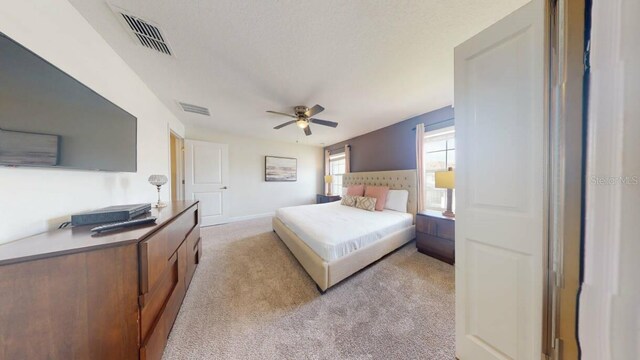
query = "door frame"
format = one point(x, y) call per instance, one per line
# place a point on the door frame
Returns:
point(179, 154)
point(566, 181)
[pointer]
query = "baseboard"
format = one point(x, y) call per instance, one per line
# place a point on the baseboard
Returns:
point(250, 217)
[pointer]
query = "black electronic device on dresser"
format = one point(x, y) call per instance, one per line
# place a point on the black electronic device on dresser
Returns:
point(321, 198)
point(111, 214)
point(435, 235)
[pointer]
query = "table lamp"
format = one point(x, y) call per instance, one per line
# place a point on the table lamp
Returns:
point(158, 181)
point(328, 179)
point(446, 180)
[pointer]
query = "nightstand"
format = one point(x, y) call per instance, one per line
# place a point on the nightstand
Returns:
point(435, 235)
point(321, 199)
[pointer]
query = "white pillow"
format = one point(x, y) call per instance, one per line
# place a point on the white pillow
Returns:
point(397, 200)
point(344, 190)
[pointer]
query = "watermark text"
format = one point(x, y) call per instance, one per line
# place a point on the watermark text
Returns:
point(614, 180)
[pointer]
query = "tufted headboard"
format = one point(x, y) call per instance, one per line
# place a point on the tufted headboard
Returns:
point(395, 179)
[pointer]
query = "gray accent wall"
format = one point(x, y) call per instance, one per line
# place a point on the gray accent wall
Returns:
point(392, 147)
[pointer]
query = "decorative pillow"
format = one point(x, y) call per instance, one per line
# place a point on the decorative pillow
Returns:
point(366, 203)
point(349, 200)
point(355, 190)
point(378, 192)
point(397, 200)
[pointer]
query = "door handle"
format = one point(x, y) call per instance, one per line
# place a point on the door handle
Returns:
point(223, 188)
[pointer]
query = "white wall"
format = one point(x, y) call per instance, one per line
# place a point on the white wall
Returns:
point(34, 200)
point(609, 319)
point(249, 195)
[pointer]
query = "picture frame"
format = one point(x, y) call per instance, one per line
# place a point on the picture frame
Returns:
point(19, 148)
point(280, 169)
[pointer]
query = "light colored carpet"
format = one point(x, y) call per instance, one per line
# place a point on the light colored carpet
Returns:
point(250, 299)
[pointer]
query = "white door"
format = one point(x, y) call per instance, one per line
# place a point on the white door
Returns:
point(500, 182)
point(207, 179)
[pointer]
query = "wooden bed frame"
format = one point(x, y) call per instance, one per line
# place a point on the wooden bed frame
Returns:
point(327, 274)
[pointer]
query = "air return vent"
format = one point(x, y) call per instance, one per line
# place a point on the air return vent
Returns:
point(143, 32)
point(194, 109)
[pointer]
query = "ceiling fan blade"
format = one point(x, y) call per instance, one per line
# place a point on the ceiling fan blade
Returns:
point(285, 124)
point(283, 114)
point(324, 122)
point(316, 109)
point(307, 130)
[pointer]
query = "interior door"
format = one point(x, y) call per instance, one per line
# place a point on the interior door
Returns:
point(501, 137)
point(206, 179)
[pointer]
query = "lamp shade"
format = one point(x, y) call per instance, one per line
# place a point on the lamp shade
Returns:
point(445, 179)
point(328, 179)
point(158, 180)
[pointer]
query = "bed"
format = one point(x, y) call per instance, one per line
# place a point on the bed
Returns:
point(333, 241)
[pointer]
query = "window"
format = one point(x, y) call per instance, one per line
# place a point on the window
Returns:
point(336, 167)
point(439, 154)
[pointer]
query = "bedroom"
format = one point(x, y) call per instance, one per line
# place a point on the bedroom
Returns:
point(271, 262)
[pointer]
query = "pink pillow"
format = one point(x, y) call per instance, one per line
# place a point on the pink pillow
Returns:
point(355, 190)
point(378, 192)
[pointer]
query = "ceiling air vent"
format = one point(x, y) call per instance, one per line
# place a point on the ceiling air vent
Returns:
point(194, 109)
point(143, 31)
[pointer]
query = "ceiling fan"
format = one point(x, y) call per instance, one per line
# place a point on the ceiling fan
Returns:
point(303, 117)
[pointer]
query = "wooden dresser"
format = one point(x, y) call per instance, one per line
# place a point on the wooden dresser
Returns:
point(70, 294)
point(435, 235)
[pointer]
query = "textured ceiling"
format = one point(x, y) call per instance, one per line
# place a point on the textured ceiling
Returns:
point(369, 63)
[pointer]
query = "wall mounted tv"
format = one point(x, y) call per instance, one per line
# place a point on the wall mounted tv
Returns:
point(48, 118)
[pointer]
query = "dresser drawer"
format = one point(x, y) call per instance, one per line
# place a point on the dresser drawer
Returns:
point(442, 249)
point(180, 228)
point(154, 301)
point(194, 250)
point(193, 238)
point(156, 250)
point(154, 342)
point(154, 259)
point(446, 229)
point(426, 225)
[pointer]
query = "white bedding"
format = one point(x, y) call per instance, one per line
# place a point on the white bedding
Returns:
point(333, 230)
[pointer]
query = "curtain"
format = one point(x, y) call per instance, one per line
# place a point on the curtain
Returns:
point(420, 166)
point(347, 159)
point(327, 169)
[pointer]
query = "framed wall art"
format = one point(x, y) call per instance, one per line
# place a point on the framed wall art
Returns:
point(280, 168)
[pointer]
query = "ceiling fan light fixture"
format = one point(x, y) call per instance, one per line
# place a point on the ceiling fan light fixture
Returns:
point(302, 123)
point(303, 118)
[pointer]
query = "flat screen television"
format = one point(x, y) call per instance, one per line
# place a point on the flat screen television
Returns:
point(49, 119)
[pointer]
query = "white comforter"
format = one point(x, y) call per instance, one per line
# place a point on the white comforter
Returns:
point(333, 230)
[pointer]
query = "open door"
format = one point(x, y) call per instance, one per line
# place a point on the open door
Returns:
point(501, 176)
point(206, 179)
